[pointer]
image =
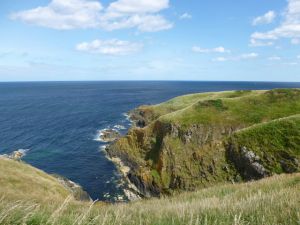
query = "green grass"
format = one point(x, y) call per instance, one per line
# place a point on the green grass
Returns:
point(182, 147)
point(272, 201)
point(19, 181)
point(238, 110)
point(277, 143)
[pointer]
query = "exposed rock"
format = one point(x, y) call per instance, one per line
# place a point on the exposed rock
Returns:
point(248, 163)
point(76, 189)
point(141, 116)
point(167, 151)
point(109, 135)
point(290, 166)
point(16, 155)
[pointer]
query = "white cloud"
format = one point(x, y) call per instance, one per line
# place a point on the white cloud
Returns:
point(274, 58)
point(260, 43)
point(145, 23)
point(138, 6)
point(185, 16)
point(121, 14)
point(265, 19)
point(220, 49)
point(109, 47)
point(298, 57)
point(289, 27)
point(246, 56)
point(249, 56)
point(63, 14)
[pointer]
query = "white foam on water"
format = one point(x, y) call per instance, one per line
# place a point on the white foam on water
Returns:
point(99, 134)
point(17, 154)
point(127, 116)
point(103, 148)
point(119, 127)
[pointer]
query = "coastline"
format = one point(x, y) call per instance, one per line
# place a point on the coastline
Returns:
point(163, 152)
point(131, 192)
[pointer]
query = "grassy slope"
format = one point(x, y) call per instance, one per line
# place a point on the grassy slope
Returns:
point(276, 143)
point(170, 162)
point(270, 201)
point(241, 108)
point(21, 181)
point(29, 196)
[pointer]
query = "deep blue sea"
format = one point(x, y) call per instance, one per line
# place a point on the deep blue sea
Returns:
point(59, 121)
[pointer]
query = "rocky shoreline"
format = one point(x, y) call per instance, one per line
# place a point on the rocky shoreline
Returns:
point(76, 190)
point(136, 189)
point(110, 136)
point(130, 190)
point(160, 157)
point(16, 155)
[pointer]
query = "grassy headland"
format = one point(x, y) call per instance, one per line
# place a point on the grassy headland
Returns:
point(185, 143)
point(207, 143)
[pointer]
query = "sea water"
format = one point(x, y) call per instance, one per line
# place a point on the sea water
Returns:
point(59, 123)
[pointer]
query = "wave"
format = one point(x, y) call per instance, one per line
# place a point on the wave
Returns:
point(99, 134)
point(119, 127)
point(107, 135)
point(103, 148)
point(18, 154)
point(127, 116)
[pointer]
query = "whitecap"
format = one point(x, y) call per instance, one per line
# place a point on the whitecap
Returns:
point(100, 133)
point(127, 116)
point(103, 148)
point(119, 127)
point(18, 154)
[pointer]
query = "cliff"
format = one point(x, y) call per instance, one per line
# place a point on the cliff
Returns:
point(250, 135)
point(200, 140)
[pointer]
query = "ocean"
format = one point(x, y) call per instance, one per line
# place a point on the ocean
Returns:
point(59, 123)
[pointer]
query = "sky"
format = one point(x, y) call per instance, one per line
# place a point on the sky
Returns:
point(207, 40)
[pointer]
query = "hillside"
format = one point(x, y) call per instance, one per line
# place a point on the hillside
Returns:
point(21, 181)
point(29, 196)
point(199, 140)
point(206, 143)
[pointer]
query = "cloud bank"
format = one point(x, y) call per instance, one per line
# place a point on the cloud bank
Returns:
point(289, 27)
point(265, 19)
point(109, 47)
point(78, 14)
point(220, 49)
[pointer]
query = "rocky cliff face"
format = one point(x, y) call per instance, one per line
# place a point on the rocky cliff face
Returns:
point(165, 156)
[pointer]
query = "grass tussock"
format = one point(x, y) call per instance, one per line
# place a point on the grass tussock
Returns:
point(270, 201)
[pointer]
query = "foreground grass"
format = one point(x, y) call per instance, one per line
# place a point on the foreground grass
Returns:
point(270, 201)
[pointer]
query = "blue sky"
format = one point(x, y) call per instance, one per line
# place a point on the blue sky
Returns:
point(150, 40)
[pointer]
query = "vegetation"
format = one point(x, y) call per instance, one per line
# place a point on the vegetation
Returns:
point(184, 142)
point(271, 201)
point(275, 143)
point(19, 181)
point(207, 143)
point(239, 108)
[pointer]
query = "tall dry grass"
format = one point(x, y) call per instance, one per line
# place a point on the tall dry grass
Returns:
point(271, 201)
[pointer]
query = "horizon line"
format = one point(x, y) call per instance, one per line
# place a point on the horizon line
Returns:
point(62, 81)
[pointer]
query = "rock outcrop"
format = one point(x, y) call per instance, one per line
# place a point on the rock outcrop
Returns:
point(199, 140)
point(76, 190)
point(109, 135)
